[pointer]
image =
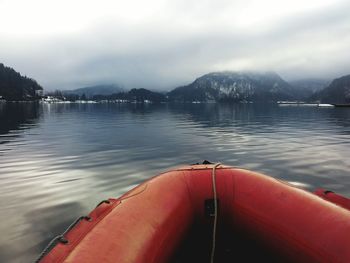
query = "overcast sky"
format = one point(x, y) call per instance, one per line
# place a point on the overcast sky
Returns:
point(161, 44)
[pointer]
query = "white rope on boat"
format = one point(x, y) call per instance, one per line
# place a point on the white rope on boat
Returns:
point(213, 175)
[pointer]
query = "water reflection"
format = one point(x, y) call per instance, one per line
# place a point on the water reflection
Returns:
point(17, 117)
point(75, 155)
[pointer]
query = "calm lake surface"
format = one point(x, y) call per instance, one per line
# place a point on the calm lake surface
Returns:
point(57, 161)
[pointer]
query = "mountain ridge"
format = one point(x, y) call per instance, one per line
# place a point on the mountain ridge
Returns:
point(90, 91)
point(14, 86)
point(231, 86)
point(234, 86)
point(338, 91)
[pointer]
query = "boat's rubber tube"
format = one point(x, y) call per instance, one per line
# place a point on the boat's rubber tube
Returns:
point(147, 224)
point(333, 197)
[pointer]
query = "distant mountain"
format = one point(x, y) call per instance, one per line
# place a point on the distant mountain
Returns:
point(134, 95)
point(235, 86)
point(89, 92)
point(304, 88)
point(144, 94)
point(337, 92)
point(14, 86)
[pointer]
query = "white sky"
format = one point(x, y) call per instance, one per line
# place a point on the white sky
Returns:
point(163, 44)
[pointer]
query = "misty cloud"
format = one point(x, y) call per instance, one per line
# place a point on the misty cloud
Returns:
point(164, 44)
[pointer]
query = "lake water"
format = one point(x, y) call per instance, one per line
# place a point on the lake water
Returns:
point(57, 161)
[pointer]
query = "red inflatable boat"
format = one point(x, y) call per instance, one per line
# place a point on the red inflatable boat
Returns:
point(210, 213)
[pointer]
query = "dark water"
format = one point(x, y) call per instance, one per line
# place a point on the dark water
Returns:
point(58, 161)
